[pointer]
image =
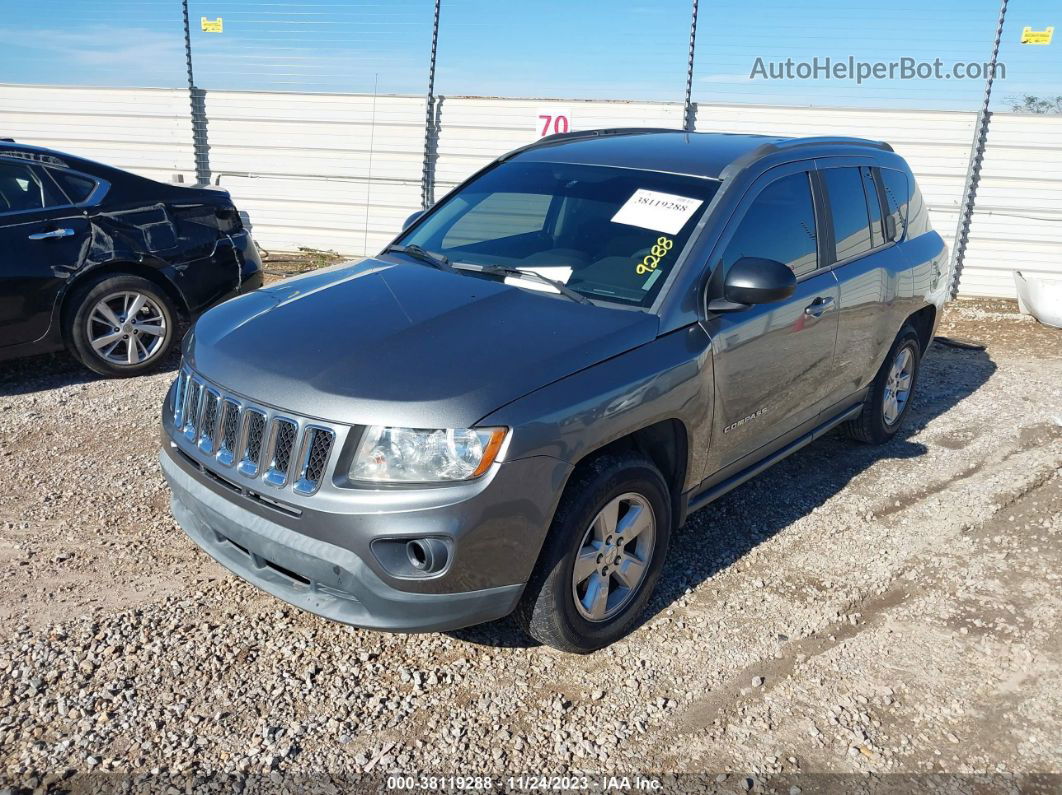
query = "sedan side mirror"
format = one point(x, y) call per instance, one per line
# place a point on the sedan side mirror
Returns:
point(753, 280)
point(413, 218)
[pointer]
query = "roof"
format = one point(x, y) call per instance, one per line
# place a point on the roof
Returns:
point(704, 154)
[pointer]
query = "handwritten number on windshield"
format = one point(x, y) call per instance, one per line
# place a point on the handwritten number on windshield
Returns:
point(652, 259)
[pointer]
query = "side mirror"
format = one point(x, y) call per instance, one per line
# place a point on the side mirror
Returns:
point(752, 280)
point(413, 218)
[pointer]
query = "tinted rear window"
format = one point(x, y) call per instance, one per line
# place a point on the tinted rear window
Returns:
point(848, 206)
point(77, 187)
point(20, 190)
point(897, 198)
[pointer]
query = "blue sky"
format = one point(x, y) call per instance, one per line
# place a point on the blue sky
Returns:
point(551, 48)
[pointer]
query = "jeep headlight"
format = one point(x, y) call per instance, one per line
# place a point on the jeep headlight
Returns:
point(414, 455)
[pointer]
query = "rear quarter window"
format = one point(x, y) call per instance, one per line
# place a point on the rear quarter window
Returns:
point(897, 199)
point(77, 187)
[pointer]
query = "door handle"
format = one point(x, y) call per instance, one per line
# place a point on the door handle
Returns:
point(53, 233)
point(818, 306)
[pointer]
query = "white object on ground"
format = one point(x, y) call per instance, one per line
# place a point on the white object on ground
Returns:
point(1041, 298)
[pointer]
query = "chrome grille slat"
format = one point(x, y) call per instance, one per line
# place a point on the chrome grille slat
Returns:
point(229, 432)
point(313, 458)
point(282, 436)
point(262, 444)
point(179, 393)
point(254, 426)
point(191, 409)
point(208, 422)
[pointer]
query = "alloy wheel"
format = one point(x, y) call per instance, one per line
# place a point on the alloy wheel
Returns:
point(898, 386)
point(126, 328)
point(614, 557)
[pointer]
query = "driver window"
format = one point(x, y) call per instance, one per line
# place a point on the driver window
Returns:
point(778, 225)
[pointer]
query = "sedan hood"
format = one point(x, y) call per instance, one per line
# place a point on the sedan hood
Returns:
point(377, 342)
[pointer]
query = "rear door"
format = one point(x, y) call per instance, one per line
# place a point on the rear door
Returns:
point(868, 267)
point(41, 237)
point(773, 362)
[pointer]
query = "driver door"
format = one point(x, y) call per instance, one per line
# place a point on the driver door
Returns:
point(773, 362)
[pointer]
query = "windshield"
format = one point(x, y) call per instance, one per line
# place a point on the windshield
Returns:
point(607, 233)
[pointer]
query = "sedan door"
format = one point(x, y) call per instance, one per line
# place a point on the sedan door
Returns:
point(773, 361)
point(41, 237)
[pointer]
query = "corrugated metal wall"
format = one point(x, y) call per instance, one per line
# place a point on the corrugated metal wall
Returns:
point(331, 171)
point(341, 171)
point(145, 130)
point(1017, 222)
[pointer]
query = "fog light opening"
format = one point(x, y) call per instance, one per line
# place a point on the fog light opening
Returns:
point(418, 554)
point(427, 555)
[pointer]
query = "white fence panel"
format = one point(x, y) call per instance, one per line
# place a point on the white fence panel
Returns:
point(342, 171)
point(1017, 222)
point(475, 130)
point(145, 130)
point(326, 171)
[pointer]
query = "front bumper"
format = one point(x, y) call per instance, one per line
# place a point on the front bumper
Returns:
point(322, 578)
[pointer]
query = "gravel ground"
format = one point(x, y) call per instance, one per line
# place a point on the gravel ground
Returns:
point(855, 611)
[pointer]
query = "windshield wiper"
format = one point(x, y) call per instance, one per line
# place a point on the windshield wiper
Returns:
point(502, 270)
point(422, 255)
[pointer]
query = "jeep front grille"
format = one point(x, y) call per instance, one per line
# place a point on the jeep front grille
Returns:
point(261, 444)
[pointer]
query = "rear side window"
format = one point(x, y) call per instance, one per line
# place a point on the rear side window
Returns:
point(77, 187)
point(20, 190)
point(897, 198)
point(779, 225)
point(848, 207)
point(870, 190)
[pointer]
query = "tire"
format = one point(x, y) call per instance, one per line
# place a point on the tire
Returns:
point(102, 343)
point(876, 423)
point(548, 610)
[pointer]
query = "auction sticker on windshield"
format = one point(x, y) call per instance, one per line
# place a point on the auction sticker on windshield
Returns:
point(662, 212)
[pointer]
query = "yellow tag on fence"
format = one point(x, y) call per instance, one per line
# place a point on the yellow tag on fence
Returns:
point(210, 25)
point(1030, 36)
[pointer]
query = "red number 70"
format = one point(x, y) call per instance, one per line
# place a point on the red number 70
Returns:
point(559, 123)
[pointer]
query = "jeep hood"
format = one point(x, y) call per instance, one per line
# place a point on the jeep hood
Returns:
point(376, 342)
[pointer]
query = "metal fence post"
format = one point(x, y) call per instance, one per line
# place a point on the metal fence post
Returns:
point(688, 109)
point(197, 100)
point(973, 171)
point(427, 182)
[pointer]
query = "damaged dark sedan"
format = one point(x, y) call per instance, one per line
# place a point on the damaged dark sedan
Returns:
point(106, 263)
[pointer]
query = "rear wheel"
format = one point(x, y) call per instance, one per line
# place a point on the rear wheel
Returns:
point(602, 557)
point(123, 325)
point(889, 398)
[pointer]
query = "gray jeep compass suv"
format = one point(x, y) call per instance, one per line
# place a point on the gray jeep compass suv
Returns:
point(512, 407)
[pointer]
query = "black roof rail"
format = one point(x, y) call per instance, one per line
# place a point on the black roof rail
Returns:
point(559, 138)
point(787, 144)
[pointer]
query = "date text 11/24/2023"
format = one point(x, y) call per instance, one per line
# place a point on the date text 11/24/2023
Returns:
point(524, 783)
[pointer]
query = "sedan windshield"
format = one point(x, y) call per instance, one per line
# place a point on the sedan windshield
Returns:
point(608, 233)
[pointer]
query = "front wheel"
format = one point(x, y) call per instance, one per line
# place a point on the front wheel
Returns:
point(123, 325)
point(602, 557)
point(889, 398)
